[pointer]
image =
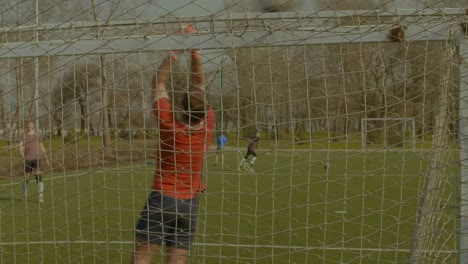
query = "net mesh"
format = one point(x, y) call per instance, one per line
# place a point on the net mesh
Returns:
point(324, 188)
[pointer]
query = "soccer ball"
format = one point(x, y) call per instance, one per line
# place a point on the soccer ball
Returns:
point(277, 5)
point(326, 165)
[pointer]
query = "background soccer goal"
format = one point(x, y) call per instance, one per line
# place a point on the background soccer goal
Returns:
point(313, 77)
point(393, 133)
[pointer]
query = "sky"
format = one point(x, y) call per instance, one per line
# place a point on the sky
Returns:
point(181, 8)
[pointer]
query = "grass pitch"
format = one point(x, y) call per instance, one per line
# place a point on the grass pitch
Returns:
point(363, 208)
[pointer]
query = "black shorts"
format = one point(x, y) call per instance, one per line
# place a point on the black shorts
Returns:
point(165, 219)
point(31, 165)
point(251, 152)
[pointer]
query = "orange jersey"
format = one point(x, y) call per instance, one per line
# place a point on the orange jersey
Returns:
point(181, 151)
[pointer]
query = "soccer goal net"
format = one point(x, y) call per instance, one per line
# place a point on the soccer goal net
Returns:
point(310, 84)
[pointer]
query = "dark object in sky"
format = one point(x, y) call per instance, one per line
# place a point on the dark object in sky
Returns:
point(271, 6)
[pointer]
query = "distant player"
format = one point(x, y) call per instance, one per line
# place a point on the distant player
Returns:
point(251, 150)
point(33, 152)
point(221, 141)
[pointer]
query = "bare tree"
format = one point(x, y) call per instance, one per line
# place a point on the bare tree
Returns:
point(76, 86)
point(105, 87)
point(4, 116)
point(129, 114)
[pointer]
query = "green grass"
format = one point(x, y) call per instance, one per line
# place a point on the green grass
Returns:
point(317, 140)
point(363, 209)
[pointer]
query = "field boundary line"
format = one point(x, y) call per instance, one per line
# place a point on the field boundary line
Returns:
point(228, 245)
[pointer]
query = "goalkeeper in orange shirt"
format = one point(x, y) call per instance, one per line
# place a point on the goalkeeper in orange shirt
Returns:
point(170, 214)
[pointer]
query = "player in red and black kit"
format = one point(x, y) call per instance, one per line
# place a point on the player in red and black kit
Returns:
point(251, 150)
point(170, 214)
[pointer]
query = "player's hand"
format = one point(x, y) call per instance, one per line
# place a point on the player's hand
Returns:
point(186, 29)
point(189, 29)
point(174, 55)
point(196, 52)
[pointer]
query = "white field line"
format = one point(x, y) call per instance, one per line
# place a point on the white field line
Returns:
point(355, 150)
point(223, 245)
point(57, 176)
point(225, 172)
point(279, 152)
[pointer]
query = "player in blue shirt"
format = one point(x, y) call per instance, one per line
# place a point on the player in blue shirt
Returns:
point(221, 140)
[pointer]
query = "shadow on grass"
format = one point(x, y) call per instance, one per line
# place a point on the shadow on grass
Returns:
point(9, 198)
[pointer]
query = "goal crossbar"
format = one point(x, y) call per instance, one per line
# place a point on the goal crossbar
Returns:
point(165, 20)
point(221, 34)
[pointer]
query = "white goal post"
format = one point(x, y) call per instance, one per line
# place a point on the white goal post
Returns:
point(404, 120)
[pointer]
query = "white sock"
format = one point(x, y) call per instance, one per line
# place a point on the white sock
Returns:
point(25, 188)
point(253, 160)
point(41, 188)
point(242, 161)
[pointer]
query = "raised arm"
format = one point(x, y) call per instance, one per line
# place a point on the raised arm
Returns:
point(161, 76)
point(197, 70)
point(197, 78)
